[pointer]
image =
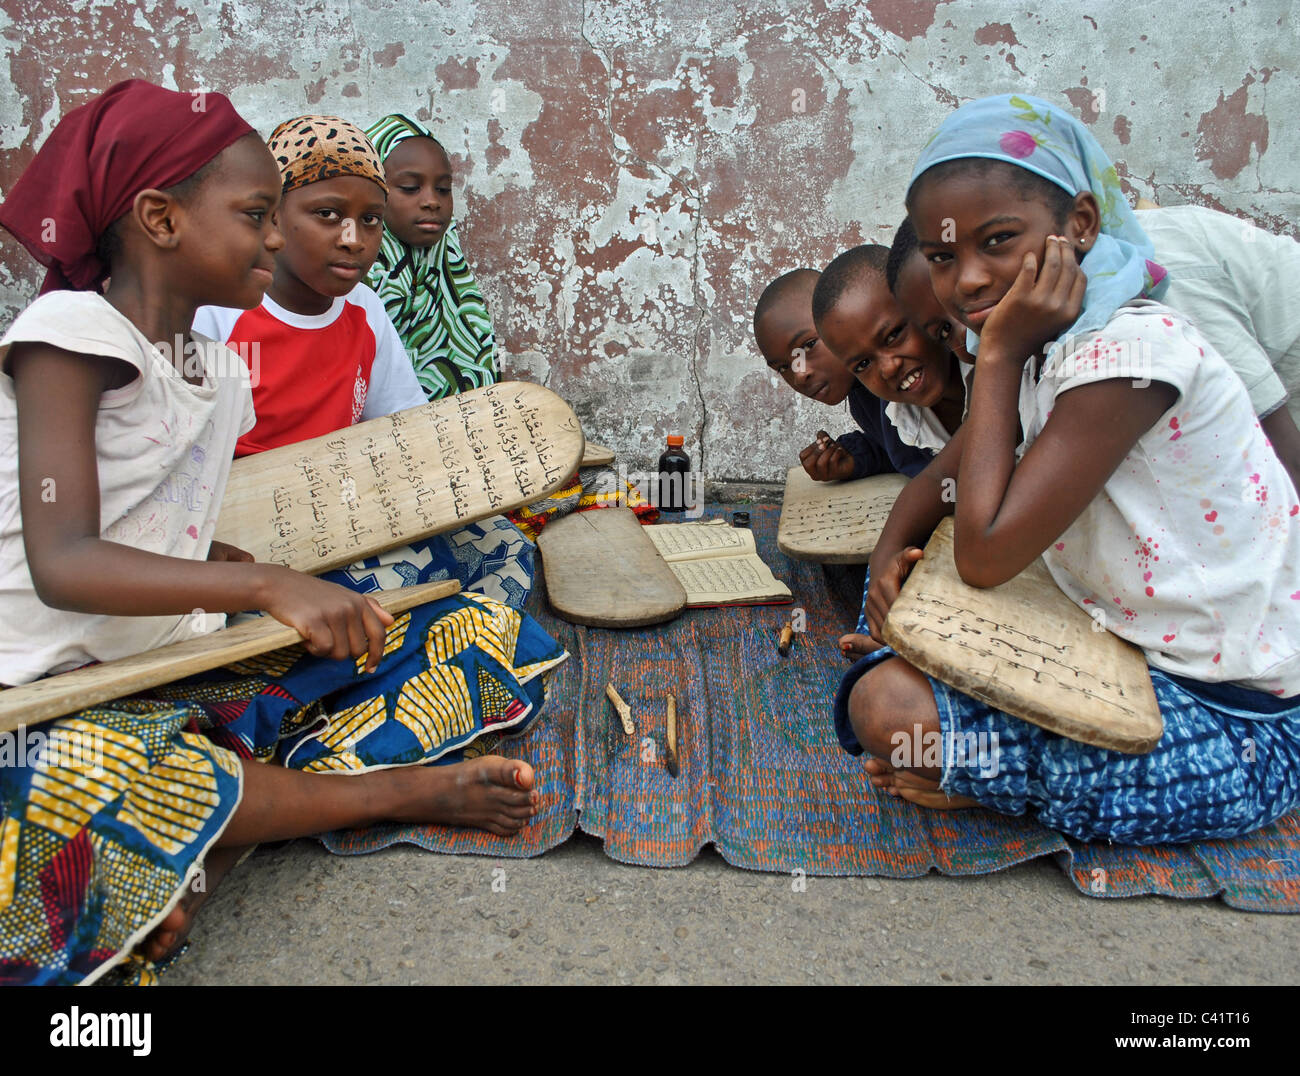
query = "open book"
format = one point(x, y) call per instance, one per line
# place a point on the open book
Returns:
point(717, 564)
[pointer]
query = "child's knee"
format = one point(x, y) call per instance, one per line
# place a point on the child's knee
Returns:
point(892, 698)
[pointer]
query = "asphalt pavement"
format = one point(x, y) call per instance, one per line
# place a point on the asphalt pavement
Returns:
point(297, 915)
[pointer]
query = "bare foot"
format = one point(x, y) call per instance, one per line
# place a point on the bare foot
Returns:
point(491, 793)
point(922, 791)
point(169, 935)
point(854, 645)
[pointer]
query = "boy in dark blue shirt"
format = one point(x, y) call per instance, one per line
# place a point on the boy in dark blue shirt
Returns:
point(791, 346)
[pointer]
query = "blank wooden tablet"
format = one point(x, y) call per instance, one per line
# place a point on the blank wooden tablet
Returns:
point(835, 522)
point(603, 571)
point(72, 691)
point(327, 502)
point(1025, 648)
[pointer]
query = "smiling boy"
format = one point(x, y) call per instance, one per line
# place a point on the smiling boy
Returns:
point(337, 358)
point(862, 323)
point(793, 349)
point(913, 377)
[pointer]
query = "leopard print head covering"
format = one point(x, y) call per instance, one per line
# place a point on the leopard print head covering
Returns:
point(311, 148)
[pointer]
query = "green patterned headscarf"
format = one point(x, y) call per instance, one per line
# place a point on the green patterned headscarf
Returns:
point(432, 297)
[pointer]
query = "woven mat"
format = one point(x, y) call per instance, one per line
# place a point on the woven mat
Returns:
point(763, 779)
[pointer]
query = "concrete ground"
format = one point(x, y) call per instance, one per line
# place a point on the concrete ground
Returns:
point(297, 915)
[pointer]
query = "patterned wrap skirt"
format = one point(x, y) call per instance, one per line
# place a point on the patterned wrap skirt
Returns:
point(106, 816)
point(1228, 763)
point(492, 557)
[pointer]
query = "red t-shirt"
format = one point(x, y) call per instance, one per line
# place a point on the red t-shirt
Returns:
point(313, 374)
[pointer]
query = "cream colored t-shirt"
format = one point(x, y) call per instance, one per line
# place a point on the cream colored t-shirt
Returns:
point(1192, 548)
point(164, 449)
point(1240, 286)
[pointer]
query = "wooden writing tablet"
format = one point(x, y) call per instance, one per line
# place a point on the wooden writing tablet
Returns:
point(332, 500)
point(835, 522)
point(68, 692)
point(327, 502)
point(597, 456)
point(1025, 648)
point(602, 570)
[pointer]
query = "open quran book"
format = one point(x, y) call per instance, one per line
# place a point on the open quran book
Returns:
point(717, 564)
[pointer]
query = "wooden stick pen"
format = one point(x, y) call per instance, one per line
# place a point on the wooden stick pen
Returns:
point(670, 753)
point(624, 711)
point(786, 638)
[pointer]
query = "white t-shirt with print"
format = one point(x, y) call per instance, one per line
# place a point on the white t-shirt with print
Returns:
point(920, 426)
point(1193, 545)
point(164, 449)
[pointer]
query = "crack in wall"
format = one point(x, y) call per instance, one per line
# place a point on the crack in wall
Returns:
point(941, 94)
point(625, 157)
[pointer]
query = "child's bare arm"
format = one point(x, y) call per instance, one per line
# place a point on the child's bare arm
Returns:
point(923, 502)
point(73, 568)
point(1008, 514)
point(1280, 429)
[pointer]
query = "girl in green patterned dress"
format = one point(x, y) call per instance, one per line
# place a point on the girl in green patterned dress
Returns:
point(421, 275)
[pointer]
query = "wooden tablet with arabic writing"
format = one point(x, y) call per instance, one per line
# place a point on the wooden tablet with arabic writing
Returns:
point(1025, 648)
point(327, 502)
point(835, 522)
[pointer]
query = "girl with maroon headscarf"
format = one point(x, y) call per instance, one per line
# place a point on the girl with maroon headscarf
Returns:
point(117, 428)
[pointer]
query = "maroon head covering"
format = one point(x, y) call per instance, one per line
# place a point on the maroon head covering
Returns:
point(99, 157)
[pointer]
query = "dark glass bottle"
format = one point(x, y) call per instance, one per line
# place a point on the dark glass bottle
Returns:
point(674, 466)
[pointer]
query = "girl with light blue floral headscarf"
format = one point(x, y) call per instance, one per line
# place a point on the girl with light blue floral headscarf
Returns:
point(1132, 462)
point(1048, 142)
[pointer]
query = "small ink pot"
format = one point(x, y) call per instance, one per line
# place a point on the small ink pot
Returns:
point(740, 519)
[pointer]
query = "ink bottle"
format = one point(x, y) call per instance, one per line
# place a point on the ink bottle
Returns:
point(674, 466)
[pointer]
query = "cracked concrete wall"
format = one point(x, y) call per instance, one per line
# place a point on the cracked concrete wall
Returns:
point(630, 175)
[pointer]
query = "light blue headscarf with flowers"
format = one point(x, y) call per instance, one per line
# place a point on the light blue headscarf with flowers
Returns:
point(1049, 142)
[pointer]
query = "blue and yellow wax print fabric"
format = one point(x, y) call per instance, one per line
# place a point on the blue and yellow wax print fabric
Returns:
point(94, 854)
point(491, 557)
point(1227, 764)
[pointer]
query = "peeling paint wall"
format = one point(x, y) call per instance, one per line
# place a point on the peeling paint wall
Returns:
point(630, 175)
